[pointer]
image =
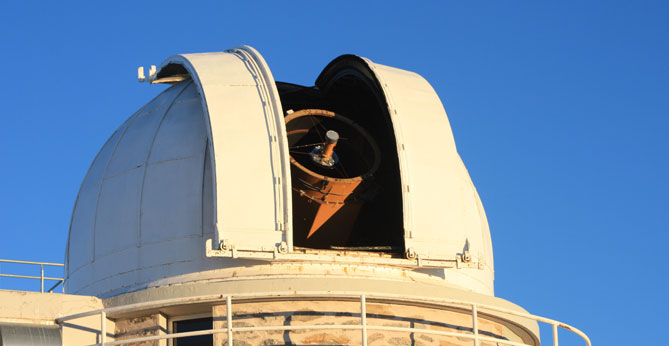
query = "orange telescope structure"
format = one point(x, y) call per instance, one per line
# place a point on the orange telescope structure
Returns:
point(333, 161)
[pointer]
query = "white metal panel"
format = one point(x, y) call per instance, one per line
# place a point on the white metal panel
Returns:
point(133, 149)
point(97, 169)
point(110, 265)
point(114, 284)
point(441, 218)
point(172, 200)
point(117, 221)
point(170, 251)
point(250, 157)
point(78, 278)
point(135, 145)
point(183, 131)
point(244, 177)
point(81, 235)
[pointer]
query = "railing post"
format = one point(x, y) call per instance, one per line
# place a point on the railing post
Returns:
point(41, 278)
point(228, 307)
point(363, 318)
point(555, 334)
point(475, 324)
point(103, 328)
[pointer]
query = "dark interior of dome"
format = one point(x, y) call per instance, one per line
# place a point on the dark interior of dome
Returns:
point(371, 218)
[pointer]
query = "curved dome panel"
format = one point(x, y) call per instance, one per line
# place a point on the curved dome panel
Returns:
point(141, 204)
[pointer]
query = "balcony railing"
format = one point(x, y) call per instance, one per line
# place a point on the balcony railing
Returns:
point(363, 327)
point(42, 278)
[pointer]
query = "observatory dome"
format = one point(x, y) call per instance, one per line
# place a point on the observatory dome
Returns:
point(143, 207)
point(211, 181)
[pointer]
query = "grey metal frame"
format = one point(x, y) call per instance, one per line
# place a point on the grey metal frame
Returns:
point(171, 320)
point(41, 277)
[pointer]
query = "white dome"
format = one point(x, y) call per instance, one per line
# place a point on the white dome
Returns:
point(209, 159)
point(142, 211)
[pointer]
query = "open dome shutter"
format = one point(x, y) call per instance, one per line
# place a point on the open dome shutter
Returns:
point(441, 220)
point(248, 156)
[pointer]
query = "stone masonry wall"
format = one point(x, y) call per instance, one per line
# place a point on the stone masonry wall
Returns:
point(149, 325)
point(301, 313)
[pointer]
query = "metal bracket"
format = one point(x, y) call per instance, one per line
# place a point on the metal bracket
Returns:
point(466, 257)
point(280, 254)
point(283, 247)
point(152, 74)
point(411, 253)
point(225, 245)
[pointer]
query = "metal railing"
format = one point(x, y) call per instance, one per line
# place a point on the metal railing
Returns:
point(41, 277)
point(473, 308)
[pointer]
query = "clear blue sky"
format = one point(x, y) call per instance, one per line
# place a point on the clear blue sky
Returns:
point(560, 111)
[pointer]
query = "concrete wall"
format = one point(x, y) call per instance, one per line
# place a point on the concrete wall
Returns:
point(43, 309)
